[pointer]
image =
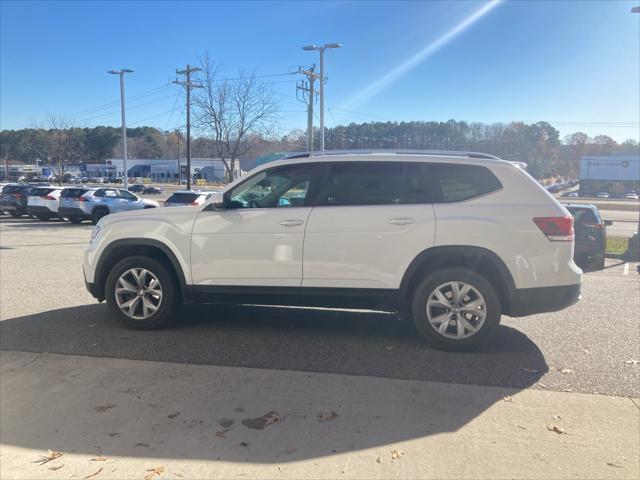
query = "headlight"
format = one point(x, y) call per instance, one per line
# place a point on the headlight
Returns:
point(94, 232)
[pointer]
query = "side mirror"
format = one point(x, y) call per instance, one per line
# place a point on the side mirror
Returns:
point(608, 223)
point(217, 201)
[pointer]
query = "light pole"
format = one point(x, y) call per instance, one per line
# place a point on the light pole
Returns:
point(633, 249)
point(121, 72)
point(321, 50)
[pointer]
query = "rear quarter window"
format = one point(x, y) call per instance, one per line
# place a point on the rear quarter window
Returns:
point(457, 183)
point(73, 192)
point(183, 197)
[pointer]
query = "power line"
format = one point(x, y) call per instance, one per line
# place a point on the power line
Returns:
point(188, 84)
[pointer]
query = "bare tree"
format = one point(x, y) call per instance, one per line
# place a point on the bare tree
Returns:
point(232, 111)
point(63, 144)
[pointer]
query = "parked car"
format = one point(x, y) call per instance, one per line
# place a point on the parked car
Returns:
point(591, 235)
point(78, 204)
point(184, 198)
point(42, 202)
point(14, 199)
point(151, 190)
point(570, 195)
point(136, 188)
point(631, 195)
point(452, 240)
point(602, 195)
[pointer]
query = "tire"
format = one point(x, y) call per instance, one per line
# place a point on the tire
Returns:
point(166, 305)
point(44, 218)
point(15, 214)
point(75, 220)
point(481, 292)
point(97, 214)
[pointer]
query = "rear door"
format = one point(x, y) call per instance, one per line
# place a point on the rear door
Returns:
point(370, 221)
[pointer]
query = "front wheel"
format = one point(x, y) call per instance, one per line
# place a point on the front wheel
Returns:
point(141, 292)
point(97, 214)
point(455, 308)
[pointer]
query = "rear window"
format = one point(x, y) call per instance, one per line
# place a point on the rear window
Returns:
point(41, 192)
point(457, 183)
point(16, 189)
point(73, 192)
point(583, 215)
point(183, 198)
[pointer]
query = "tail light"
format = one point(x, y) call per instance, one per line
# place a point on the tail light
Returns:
point(595, 226)
point(556, 229)
point(81, 199)
point(195, 203)
point(49, 197)
point(18, 195)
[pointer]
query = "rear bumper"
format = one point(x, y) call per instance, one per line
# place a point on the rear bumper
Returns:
point(72, 212)
point(39, 210)
point(529, 301)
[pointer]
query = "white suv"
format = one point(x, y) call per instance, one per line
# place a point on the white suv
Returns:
point(451, 239)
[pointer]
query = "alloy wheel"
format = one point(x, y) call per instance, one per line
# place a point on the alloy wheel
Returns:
point(138, 293)
point(456, 310)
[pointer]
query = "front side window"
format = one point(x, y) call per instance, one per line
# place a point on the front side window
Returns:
point(362, 183)
point(457, 183)
point(127, 195)
point(274, 188)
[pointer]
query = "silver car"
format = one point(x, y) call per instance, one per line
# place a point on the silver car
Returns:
point(84, 203)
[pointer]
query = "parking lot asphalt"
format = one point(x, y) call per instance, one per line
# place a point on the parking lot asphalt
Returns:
point(592, 347)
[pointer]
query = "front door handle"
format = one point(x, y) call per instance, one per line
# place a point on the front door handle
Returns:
point(291, 223)
point(402, 221)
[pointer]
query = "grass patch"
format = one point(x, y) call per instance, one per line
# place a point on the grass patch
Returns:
point(617, 245)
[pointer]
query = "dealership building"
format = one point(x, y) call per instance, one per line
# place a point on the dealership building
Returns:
point(165, 170)
point(614, 174)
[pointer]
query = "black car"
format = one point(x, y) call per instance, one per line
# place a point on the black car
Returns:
point(13, 199)
point(136, 188)
point(591, 235)
point(152, 190)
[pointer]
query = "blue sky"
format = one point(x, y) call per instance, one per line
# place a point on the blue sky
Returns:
point(575, 64)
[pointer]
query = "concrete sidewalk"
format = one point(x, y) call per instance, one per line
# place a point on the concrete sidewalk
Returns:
point(123, 419)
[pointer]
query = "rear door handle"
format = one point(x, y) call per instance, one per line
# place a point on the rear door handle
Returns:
point(402, 221)
point(291, 223)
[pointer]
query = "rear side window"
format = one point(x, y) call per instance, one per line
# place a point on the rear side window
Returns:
point(583, 215)
point(16, 189)
point(183, 197)
point(456, 183)
point(73, 192)
point(362, 183)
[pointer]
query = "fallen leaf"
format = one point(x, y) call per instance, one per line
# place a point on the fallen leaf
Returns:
point(93, 325)
point(173, 415)
point(632, 362)
point(273, 417)
point(221, 434)
point(98, 458)
point(244, 444)
point(508, 399)
point(51, 455)
point(565, 370)
point(530, 370)
point(327, 416)
point(521, 426)
point(153, 472)
point(178, 475)
point(94, 473)
point(585, 350)
point(396, 454)
point(95, 344)
point(114, 434)
point(56, 467)
point(542, 385)
point(611, 464)
point(378, 459)
point(140, 444)
point(556, 429)
point(389, 348)
point(557, 417)
point(104, 408)
point(290, 451)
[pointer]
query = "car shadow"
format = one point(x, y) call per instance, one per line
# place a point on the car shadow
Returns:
point(276, 339)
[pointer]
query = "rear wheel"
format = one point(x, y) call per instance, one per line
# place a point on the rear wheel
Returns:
point(97, 214)
point(597, 262)
point(15, 214)
point(75, 220)
point(455, 308)
point(141, 292)
point(43, 218)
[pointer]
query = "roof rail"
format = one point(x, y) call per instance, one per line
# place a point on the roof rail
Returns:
point(448, 153)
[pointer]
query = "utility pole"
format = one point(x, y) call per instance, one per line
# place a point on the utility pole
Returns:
point(121, 72)
point(179, 169)
point(188, 86)
point(308, 96)
point(322, 80)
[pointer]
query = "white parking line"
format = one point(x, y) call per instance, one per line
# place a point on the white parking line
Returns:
point(626, 269)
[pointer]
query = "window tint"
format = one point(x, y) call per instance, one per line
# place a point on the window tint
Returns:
point(362, 183)
point(127, 195)
point(416, 184)
point(274, 188)
point(462, 182)
point(41, 192)
point(73, 192)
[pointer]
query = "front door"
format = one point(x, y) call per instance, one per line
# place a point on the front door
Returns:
point(257, 239)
